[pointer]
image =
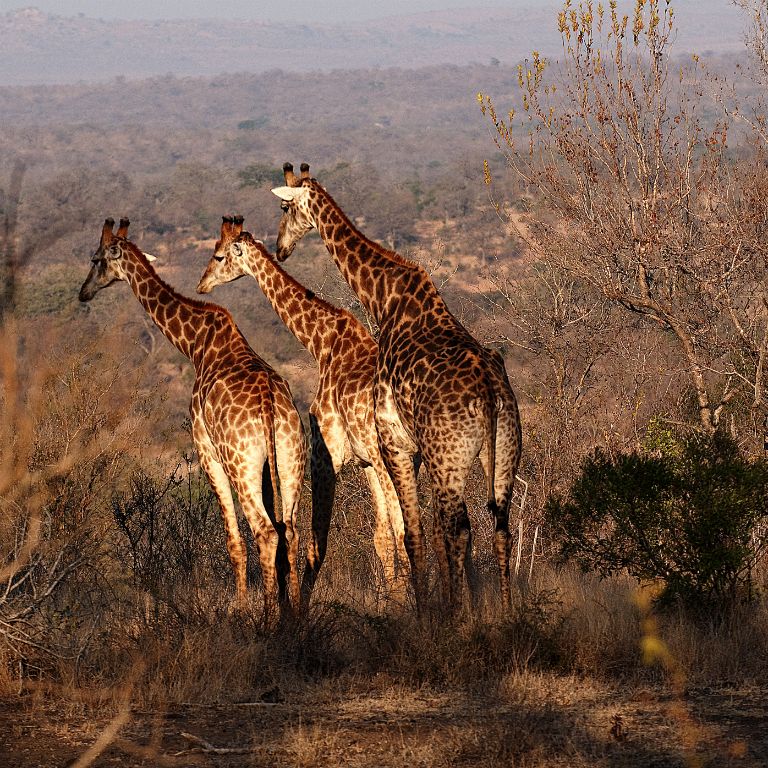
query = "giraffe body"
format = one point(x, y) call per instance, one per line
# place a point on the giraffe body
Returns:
point(438, 393)
point(243, 416)
point(341, 414)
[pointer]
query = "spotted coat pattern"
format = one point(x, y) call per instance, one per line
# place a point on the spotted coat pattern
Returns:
point(341, 414)
point(243, 416)
point(438, 393)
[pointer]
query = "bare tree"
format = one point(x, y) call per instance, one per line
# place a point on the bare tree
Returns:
point(10, 259)
point(56, 444)
point(757, 33)
point(67, 428)
point(632, 185)
point(564, 334)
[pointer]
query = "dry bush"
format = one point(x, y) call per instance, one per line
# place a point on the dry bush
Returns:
point(601, 628)
point(170, 539)
point(565, 622)
point(68, 424)
point(352, 568)
point(724, 650)
point(610, 631)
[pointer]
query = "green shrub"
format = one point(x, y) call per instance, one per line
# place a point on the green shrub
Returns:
point(689, 517)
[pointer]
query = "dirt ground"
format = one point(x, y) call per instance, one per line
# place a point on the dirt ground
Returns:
point(539, 720)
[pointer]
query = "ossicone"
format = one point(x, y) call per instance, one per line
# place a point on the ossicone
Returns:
point(106, 232)
point(226, 226)
point(290, 176)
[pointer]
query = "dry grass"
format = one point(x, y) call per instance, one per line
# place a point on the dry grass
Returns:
point(348, 687)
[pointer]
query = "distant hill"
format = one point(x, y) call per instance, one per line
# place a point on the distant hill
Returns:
point(39, 48)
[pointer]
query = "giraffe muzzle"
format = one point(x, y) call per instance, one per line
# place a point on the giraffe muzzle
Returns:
point(204, 286)
point(283, 252)
point(87, 291)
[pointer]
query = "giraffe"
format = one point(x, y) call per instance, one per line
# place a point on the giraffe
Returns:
point(438, 394)
point(242, 415)
point(341, 414)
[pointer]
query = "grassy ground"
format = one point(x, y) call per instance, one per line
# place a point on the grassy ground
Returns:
point(538, 720)
point(562, 680)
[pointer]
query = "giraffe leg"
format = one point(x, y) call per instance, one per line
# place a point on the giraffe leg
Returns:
point(397, 450)
point(323, 473)
point(219, 481)
point(290, 464)
point(290, 459)
point(397, 526)
point(275, 514)
point(501, 544)
point(440, 549)
point(451, 515)
point(401, 470)
point(450, 447)
point(267, 540)
point(388, 539)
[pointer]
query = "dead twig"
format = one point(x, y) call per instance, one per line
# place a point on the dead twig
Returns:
point(208, 748)
point(234, 704)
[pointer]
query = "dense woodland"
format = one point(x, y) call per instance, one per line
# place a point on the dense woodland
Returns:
point(630, 308)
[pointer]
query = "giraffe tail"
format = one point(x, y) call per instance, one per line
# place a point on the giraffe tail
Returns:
point(268, 420)
point(493, 419)
point(495, 403)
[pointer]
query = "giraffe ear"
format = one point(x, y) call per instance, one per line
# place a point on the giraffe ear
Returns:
point(149, 256)
point(288, 193)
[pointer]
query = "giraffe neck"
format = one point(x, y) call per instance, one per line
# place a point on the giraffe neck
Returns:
point(180, 319)
point(306, 316)
point(386, 283)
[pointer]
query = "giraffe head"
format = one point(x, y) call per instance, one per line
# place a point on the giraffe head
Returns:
point(230, 255)
point(298, 217)
point(107, 262)
point(106, 267)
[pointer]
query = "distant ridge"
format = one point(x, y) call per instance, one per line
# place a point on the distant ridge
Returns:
point(39, 48)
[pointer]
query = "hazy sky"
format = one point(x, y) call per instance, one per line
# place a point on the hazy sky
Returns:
point(330, 11)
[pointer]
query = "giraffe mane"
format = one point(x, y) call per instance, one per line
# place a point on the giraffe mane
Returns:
point(372, 244)
point(208, 306)
point(249, 239)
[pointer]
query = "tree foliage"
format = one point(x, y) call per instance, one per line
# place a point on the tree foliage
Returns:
point(693, 517)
